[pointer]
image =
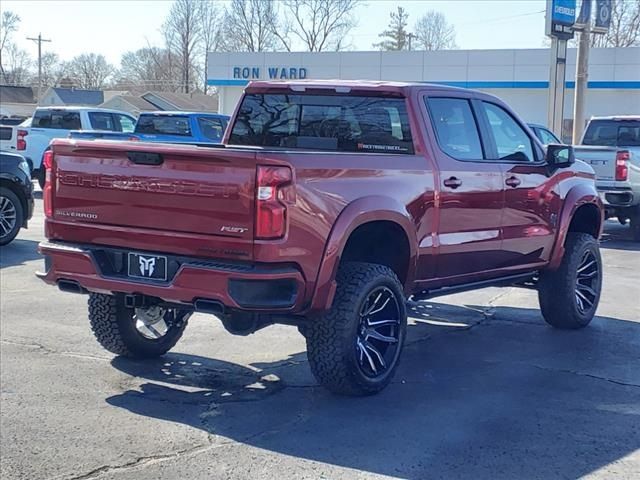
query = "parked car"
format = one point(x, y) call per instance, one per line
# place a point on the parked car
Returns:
point(8, 138)
point(16, 195)
point(169, 127)
point(612, 146)
point(330, 204)
point(545, 135)
point(56, 122)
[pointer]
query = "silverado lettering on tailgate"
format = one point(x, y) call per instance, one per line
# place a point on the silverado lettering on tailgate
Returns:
point(154, 185)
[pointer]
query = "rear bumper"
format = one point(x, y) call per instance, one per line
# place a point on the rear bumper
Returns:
point(618, 197)
point(238, 286)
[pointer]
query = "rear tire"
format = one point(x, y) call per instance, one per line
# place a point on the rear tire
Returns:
point(635, 224)
point(569, 296)
point(11, 215)
point(354, 348)
point(40, 176)
point(114, 326)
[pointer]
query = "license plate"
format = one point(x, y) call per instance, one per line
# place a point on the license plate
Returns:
point(151, 267)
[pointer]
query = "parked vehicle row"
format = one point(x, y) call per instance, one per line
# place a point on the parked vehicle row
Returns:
point(167, 127)
point(16, 195)
point(328, 205)
point(32, 138)
point(611, 145)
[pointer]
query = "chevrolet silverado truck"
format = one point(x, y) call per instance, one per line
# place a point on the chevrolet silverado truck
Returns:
point(327, 207)
point(611, 145)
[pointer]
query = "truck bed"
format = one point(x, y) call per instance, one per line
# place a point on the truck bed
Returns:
point(170, 198)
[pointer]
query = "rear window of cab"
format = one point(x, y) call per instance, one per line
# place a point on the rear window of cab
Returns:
point(324, 122)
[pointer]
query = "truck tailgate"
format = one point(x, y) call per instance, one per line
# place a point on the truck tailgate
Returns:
point(191, 190)
point(601, 159)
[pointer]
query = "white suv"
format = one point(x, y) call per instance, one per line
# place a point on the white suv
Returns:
point(56, 122)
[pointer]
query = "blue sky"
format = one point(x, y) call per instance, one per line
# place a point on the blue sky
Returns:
point(116, 26)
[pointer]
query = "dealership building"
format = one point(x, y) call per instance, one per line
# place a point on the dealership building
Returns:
point(520, 77)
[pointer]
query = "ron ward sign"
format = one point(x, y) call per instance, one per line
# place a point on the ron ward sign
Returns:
point(271, 73)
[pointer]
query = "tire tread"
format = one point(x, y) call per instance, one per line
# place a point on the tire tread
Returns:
point(327, 333)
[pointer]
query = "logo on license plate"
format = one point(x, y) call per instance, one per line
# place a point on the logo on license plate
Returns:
point(147, 266)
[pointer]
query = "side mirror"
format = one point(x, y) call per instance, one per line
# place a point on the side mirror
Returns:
point(560, 156)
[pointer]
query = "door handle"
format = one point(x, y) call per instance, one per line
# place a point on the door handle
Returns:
point(513, 181)
point(452, 182)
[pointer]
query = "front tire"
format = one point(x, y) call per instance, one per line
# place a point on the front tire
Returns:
point(354, 348)
point(11, 215)
point(134, 332)
point(569, 296)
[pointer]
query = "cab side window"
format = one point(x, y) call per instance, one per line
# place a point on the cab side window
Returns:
point(456, 127)
point(512, 142)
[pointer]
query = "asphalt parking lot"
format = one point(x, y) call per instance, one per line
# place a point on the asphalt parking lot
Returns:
point(485, 390)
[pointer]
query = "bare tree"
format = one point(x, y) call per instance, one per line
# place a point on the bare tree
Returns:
point(150, 68)
point(625, 26)
point(433, 32)
point(396, 37)
point(210, 20)
point(17, 64)
point(9, 24)
point(250, 26)
point(182, 31)
point(90, 70)
point(320, 24)
point(53, 70)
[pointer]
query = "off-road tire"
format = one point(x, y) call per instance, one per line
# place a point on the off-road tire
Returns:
point(556, 288)
point(331, 337)
point(10, 196)
point(113, 326)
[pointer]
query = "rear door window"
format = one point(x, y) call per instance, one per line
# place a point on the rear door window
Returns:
point(124, 123)
point(211, 128)
point(456, 128)
point(5, 133)
point(324, 122)
point(58, 119)
point(164, 125)
point(613, 133)
point(102, 121)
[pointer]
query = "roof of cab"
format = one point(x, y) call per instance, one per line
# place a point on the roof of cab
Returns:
point(344, 86)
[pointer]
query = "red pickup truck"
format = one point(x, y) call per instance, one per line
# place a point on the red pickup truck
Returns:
point(328, 205)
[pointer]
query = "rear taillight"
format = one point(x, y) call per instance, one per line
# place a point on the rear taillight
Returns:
point(47, 192)
point(622, 167)
point(271, 210)
point(21, 143)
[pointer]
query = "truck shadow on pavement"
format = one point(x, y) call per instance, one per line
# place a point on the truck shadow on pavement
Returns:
point(618, 237)
point(480, 393)
point(18, 252)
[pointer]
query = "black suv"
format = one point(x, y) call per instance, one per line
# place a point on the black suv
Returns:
point(16, 195)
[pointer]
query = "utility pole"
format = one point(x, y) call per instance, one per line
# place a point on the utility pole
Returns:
point(39, 40)
point(410, 36)
point(582, 75)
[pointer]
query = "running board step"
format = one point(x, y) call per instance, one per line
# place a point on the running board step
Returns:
point(526, 280)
